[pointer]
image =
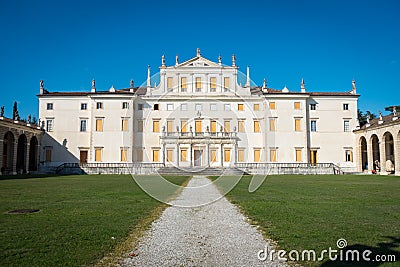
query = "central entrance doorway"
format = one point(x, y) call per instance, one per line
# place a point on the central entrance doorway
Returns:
point(83, 156)
point(198, 156)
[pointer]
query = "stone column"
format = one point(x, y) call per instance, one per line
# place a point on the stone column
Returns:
point(222, 155)
point(382, 155)
point(1, 153)
point(370, 156)
point(190, 155)
point(14, 157)
point(396, 153)
point(163, 153)
point(234, 154)
point(177, 155)
point(28, 145)
point(207, 157)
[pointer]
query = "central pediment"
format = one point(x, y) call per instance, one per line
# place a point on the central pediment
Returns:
point(198, 61)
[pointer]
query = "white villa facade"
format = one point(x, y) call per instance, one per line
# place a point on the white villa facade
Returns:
point(199, 113)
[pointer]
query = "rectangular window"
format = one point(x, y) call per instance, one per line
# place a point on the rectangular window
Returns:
point(227, 155)
point(313, 106)
point(183, 126)
point(49, 125)
point(345, 106)
point(49, 106)
point(241, 107)
point(124, 154)
point(83, 125)
point(348, 155)
point(272, 124)
point(297, 125)
point(257, 127)
point(227, 126)
point(184, 107)
point(140, 126)
point(226, 83)
point(139, 155)
point(346, 126)
point(213, 107)
point(198, 107)
point(198, 126)
point(256, 107)
point(183, 84)
point(99, 105)
point(125, 105)
point(170, 126)
point(313, 126)
point(272, 155)
point(156, 126)
point(99, 125)
point(170, 107)
point(156, 107)
point(124, 125)
point(241, 126)
point(213, 126)
point(48, 155)
point(83, 106)
point(213, 84)
point(257, 155)
point(213, 155)
point(296, 105)
point(298, 155)
point(272, 105)
point(198, 84)
point(98, 154)
point(156, 155)
point(240, 155)
point(169, 83)
point(183, 155)
point(227, 107)
point(170, 153)
point(139, 106)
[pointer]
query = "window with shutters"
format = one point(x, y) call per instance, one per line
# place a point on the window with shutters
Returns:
point(256, 107)
point(257, 128)
point(272, 124)
point(298, 155)
point(240, 155)
point(184, 126)
point(296, 105)
point(272, 105)
point(241, 126)
point(227, 126)
point(272, 155)
point(183, 155)
point(156, 155)
point(156, 126)
point(240, 107)
point(227, 155)
point(124, 154)
point(169, 83)
point(226, 83)
point(198, 84)
point(183, 84)
point(170, 126)
point(124, 125)
point(98, 153)
point(297, 125)
point(257, 154)
point(213, 84)
point(99, 124)
point(213, 126)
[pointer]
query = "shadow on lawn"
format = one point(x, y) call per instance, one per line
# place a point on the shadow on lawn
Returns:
point(382, 249)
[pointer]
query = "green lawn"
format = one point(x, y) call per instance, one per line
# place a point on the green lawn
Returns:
point(313, 212)
point(82, 218)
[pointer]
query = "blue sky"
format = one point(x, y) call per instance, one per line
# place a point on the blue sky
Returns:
point(68, 43)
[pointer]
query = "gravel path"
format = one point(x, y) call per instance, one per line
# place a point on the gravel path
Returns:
point(215, 234)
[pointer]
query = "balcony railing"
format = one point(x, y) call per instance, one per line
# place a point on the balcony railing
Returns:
point(199, 134)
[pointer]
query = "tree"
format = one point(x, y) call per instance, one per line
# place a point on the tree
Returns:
point(362, 117)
